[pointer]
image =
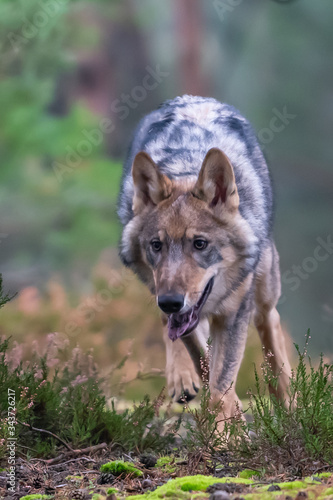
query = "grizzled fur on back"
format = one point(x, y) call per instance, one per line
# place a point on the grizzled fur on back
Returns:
point(178, 135)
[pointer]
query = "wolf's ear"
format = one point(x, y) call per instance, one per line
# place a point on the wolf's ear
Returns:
point(150, 186)
point(216, 182)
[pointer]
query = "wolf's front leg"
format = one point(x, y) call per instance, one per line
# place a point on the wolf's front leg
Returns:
point(182, 378)
point(183, 363)
point(229, 336)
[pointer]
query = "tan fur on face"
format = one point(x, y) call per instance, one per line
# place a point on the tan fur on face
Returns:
point(177, 221)
point(178, 211)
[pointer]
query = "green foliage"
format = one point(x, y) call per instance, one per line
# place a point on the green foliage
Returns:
point(70, 403)
point(203, 434)
point(302, 429)
point(248, 473)
point(202, 428)
point(65, 219)
point(121, 468)
point(293, 434)
point(162, 461)
point(109, 491)
point(4, 298)
point(36, 496)
point(166, 463)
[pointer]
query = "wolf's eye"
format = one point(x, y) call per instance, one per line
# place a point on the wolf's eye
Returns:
point(200, 244)
point(156, 245)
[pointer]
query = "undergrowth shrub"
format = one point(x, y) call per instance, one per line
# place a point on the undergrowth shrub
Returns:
point(69, 401)
point(300, 431)
point(202, 427)
point(295, 436)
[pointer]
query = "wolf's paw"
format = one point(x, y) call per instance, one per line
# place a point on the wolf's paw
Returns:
point(183, 383)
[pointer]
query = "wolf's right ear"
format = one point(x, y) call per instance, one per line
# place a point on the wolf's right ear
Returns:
point(150, 186)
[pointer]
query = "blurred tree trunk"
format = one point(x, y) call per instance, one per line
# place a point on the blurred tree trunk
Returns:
point(107, 72)
point(189, 34)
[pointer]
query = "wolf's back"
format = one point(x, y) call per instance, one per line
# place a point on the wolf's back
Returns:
point(178, 135)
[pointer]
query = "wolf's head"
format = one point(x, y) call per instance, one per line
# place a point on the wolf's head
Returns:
point(187, 239)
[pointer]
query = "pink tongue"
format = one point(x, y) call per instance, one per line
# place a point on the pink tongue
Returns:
point(179, 324)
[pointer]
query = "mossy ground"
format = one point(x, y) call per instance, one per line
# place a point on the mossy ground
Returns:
point(121, 468)
point(172, 477)
point(36, 496)
point(190, 487)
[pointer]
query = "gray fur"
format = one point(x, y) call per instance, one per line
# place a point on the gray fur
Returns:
point(179, 145)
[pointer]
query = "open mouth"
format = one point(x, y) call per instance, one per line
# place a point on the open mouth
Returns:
point(183, 324)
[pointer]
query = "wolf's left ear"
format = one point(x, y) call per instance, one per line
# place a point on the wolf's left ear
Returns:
point(150, 186)
point(216, 182)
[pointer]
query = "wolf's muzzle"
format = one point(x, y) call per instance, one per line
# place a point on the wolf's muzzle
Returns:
point(171, 302)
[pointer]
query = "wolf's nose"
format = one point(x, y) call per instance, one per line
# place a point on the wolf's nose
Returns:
point(171, 302)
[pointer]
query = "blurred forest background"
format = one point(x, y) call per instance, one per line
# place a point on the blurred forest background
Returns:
point(75, 78)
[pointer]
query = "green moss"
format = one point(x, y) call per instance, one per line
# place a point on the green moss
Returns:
point(248, 473)
point(119, 467)
point(181, 486)
point(96, 496)
point(191, 487)
point(329, 491)
point(167, 463)
point(325, 474)
point(293, 485)
point(36, 496)
point(109, 491)
point(74, 478)
point(164, 460)
point(266, 495)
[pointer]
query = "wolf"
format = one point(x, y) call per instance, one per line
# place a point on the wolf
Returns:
point(196, 207)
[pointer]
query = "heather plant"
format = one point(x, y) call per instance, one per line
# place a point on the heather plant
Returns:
point(202, 427)
point(294, 436)
point(207, 432)
point(301, 431)
point(67, 399)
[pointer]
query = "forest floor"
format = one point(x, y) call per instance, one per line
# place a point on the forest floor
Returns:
point(172, 477)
